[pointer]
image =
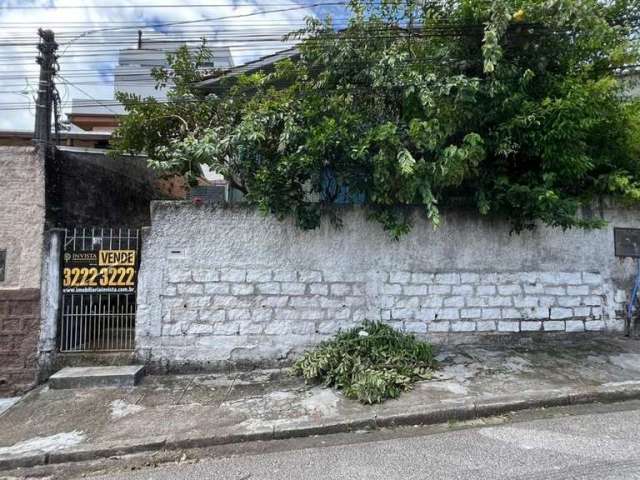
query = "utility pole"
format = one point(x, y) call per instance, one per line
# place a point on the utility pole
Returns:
point(47, 61)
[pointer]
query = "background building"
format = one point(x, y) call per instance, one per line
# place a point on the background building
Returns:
point(133, 75)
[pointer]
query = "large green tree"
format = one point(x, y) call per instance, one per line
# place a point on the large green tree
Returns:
point(517, 107)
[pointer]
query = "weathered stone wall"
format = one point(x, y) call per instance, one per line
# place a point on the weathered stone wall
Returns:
point(22, 222)
point(224, 285)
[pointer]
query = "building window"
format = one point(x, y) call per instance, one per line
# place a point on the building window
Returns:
point(3, 264)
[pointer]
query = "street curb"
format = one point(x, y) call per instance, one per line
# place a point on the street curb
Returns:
point(458, 411)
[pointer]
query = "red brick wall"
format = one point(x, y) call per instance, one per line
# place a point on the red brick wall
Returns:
point(19, 333)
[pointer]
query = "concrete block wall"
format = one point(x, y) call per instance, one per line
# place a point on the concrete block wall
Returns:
point(282, 302)
point(227, 285)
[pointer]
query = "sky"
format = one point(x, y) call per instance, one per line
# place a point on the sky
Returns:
point(91, 32)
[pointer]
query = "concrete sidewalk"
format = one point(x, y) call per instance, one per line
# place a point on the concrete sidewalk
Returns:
point(185, 411)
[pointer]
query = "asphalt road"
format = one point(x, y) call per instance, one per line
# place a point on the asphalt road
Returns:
point(595, 445)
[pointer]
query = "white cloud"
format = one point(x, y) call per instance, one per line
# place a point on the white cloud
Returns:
point(90, 38)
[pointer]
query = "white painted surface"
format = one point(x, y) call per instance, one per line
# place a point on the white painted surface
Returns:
point(256, 289)
point(52, 443)
point(120, 409)
point(7, 403)
point(79, 372)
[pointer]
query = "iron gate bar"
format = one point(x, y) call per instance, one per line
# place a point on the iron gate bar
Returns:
point(105, 322)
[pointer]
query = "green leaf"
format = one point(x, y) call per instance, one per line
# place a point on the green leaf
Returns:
point(522, 114)
point(406, 161)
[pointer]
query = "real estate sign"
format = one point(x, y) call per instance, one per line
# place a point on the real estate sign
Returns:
point(99, 271)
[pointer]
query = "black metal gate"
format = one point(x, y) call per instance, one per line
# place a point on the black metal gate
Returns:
point(99, 280)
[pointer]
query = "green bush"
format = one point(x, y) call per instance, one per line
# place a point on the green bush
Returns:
point(513, 107)
point(369, 363)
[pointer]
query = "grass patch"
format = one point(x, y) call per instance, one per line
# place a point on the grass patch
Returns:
point(370, 363)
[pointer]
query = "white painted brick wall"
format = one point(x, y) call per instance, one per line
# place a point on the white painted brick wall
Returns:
point(254, 289)
point(236, 302)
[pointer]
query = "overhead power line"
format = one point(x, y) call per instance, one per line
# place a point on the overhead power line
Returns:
point(248, 37)
point(104, 104)
point(17, 106)
point(208, 19)
point(157, 5)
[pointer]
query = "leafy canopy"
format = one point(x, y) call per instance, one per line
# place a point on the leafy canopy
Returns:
point(517, 107)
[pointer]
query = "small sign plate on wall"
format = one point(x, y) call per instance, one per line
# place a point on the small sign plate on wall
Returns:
point(626, 242)
point(3, 264)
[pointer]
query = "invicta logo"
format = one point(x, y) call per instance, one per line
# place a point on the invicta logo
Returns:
point(84, 257)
